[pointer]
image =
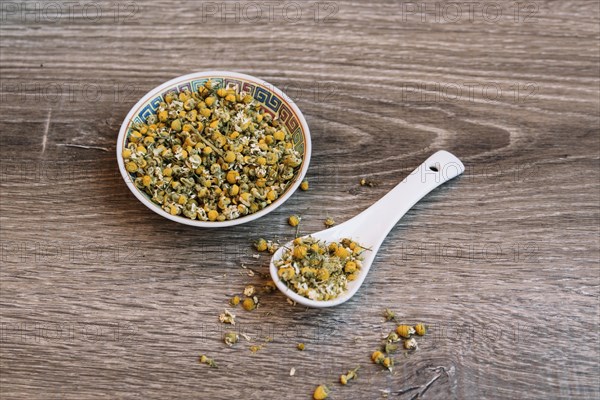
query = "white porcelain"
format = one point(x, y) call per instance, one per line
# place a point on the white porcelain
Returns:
point(370, 227)
point(182, 80)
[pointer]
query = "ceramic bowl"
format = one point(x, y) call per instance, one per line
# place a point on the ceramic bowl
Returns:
point(273, 101)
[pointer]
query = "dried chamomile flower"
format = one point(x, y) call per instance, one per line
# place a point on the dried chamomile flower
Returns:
point(329, 222)
point(389, 315)
point(231, 338)
point(294, 220)
point(272, 247)
point(318, 270)
point(390, 348)
point(405, 331)
point(366, 182)
point(379, 358)
point(234, 301)
point(260, 244)
point(410, 344)
point(321, 392)
point(208, 361)
point(249, 304)
point(301, 346)
point(420, 329)
point(349, 376)
point(392, 337)
point(304, 185)
point(227, 318)
point(255, 348)
point(249, 291)
point(388, 363)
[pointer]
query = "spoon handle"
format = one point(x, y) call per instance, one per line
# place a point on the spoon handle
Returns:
point(381, 217)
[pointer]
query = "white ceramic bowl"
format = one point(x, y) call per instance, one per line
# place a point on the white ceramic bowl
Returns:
point(271, 98)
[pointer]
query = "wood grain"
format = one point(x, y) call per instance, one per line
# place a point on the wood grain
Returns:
point(100, 297)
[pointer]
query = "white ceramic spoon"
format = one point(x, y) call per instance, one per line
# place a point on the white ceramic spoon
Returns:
point(370, 227)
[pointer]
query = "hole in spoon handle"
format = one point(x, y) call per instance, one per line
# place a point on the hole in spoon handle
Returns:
point(437, 169)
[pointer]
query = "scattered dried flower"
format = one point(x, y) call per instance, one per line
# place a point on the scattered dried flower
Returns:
point(345, 378)
point(321, 392)
point(231, 338)
point(227, 318)
point(405, 331)
point(410, 344)
point(208, 361)
point(249, 291)
point(294, 220)
point(248, 304)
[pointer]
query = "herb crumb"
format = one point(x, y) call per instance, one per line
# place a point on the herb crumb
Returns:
point(227, 318)
point(366, 182)
point(321, 392)
point(255, 348)
point(249, 291)
point(410, 344)
point(208, 361)
point(389, 315)
point(231, 338)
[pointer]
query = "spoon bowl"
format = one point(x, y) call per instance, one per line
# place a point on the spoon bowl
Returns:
point(370, 228)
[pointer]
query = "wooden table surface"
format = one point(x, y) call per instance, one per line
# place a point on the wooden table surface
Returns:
point(100, 297)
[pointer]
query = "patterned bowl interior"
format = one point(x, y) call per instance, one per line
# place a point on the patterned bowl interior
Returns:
point(272, 100)
point(273, 103)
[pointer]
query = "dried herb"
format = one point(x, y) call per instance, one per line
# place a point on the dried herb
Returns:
point(234, 301)
point(231, 338)
point(212, 155)
point(208, 361)
point(345, 378)
point(249, 304)
point(405, 331)
point(321, 392)
point(389, 315)
point(317, 270)
point(294, 220)
point(227, 318)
